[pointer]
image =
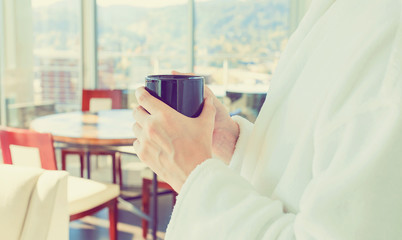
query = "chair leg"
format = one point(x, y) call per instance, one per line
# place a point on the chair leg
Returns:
point(146, 184)
point(63, 160)
point(113, 168)
point(88, 157)
point(113, 211)
point(82, 164)
point(118, 159)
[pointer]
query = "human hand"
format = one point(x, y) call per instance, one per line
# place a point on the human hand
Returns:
point(226, 131)
point(171, 144)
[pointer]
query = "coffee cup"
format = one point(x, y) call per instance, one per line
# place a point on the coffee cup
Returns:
point(184, 93)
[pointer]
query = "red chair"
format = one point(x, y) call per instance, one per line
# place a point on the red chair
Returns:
point(96, 100)
point(146, 191)
point(89, 97)
point(85, 197)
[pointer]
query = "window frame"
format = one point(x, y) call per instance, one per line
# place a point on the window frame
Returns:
point(89, 44)
point(2, 100)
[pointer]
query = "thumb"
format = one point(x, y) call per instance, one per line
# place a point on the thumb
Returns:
point(180, 73)
point(208, 111)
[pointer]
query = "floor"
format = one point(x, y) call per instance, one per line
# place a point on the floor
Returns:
point(129, 226)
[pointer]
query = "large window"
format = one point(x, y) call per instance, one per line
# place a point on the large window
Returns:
point(42, 58)
point(137, 38)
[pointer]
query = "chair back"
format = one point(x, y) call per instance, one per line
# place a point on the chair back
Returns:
point(26, 147)
point(100, 99)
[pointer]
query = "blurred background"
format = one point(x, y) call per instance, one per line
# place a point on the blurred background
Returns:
point(52, 49)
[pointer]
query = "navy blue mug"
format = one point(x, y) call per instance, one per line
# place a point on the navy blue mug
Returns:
point(184, 93)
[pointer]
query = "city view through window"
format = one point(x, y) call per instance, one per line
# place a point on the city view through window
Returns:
point(138, 38)
point(237, 44)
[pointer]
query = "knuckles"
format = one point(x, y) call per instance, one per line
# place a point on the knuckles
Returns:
point(153, 128)
point(138, 108)
point(142, 151)
point(146, 142)
point(151, 132)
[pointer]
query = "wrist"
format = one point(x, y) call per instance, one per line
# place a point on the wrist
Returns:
point(225, 140)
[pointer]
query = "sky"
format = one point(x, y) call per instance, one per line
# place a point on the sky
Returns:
point(136, 3)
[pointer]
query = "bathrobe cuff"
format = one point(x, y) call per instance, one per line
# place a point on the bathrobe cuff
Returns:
point(179, 214)
point(213, 200)
point(246, 128)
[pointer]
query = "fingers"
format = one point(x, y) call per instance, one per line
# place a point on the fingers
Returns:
point(179, 73)
point(144, 147)
point(146, 152)
point(149, 102)
point(136, 145)
point(147, 130)
point(137, 129)
point(140, 115)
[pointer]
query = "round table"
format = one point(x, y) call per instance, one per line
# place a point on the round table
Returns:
point(88, 130)
point(103, 128)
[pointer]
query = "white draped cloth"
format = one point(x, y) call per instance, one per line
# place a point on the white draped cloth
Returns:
point(324, 158)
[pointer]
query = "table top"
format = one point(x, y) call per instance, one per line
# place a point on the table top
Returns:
point(110, 127)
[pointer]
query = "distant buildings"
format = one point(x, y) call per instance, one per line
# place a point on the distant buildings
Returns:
point(57, 78)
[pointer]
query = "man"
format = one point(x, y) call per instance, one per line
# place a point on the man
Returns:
point(324, 158)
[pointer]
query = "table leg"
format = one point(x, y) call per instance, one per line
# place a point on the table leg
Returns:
point(88, 164)
point(154, 206)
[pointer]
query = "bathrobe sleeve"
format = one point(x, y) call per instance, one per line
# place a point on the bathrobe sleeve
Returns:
point(356, 191)
point(355, 187)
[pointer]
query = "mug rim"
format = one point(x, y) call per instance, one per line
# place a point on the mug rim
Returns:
point(161, 77)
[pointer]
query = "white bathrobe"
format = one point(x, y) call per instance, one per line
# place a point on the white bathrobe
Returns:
point(324, 158)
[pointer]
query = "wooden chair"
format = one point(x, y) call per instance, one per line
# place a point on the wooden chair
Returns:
point(85, 197)
point(97, 100)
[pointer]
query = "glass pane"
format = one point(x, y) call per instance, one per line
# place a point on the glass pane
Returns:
point(57, 52)
point(137, 38)
point(238, 44)
point(43, 68)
